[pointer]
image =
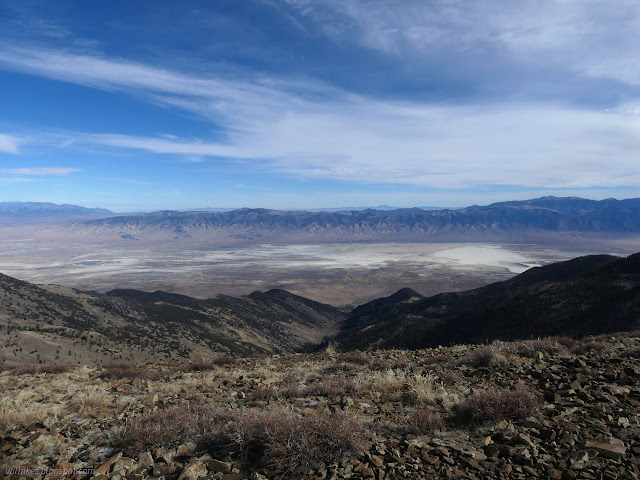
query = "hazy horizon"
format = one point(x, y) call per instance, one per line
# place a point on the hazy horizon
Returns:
point(309, 209)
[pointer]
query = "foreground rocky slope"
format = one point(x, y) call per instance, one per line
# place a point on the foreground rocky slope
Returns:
point(553, 408)
point(56, 324)
point(584, 296)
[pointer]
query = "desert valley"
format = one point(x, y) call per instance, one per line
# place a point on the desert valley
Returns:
point(319, 240)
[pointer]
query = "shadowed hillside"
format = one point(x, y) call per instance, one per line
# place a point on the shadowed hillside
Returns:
point(587, 295)
point(61, 324)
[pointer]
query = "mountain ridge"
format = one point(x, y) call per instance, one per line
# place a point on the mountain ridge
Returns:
point(48, 209)
point(545, 214)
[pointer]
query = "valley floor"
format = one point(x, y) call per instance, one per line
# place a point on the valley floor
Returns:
point(553, 408)
point(334, 273)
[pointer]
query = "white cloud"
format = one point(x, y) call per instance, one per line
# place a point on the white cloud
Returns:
point(448, 147)
point(312, 130)
point(8, 144)
point(41, 171)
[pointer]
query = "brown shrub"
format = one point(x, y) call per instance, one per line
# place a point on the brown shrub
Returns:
point(282, 441)
point(331, 387)
point(220, 361)
point(403, 365)
point(493, 405)
point(603, 337)
point(263, 392)
point(196, 367)
point(359, 358)
point(380, 365)
point(223, 360)
point(127, 370)
point(422, 421)
point(34, 368)
point(340, 367)
point(449, 376)
point(634, 352)
point(289, 444)
point(589, 346)
point(167, 428)
point(442, 358)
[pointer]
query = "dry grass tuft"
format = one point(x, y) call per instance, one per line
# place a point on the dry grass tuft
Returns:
point(566, 342)
point(92, 401)
point(21, 410)
point(485, 356)
point(331, 348)
point(530, 348)
point(387, 382)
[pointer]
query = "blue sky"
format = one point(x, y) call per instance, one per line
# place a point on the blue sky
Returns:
point(324, 103)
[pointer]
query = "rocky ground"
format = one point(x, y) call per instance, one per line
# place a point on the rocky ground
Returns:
point(552, 408)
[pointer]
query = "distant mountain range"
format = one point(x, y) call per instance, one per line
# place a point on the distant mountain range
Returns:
point(587, 295)
point(546, 214)
point(46, 209)
point(379, 207)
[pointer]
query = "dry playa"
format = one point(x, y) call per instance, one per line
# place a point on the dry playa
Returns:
point(337, 273)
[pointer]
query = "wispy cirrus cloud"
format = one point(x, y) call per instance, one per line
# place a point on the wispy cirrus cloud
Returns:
point(8, 144)
point(15, 180)
point(229, 100)
point(585, 36)
point(41, 171)
point(130, 181)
